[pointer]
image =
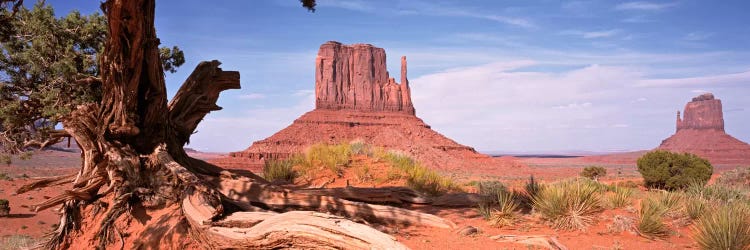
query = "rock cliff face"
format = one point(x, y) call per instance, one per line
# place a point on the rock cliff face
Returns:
point(704, 112)
point(357, 100)
point(701, 131)
point(354, 77)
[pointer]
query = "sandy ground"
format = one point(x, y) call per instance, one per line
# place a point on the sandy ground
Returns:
point(597, 236)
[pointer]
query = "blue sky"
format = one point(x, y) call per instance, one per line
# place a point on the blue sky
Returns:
point(520, 76)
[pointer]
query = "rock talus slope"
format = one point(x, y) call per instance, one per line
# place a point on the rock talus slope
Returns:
point(356, 99)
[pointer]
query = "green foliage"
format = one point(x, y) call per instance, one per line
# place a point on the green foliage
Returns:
point(6, 159)
point(717, 192)
point(727, 227)
point(361, 148)
point(532, 187)
point(279, 170)
point(569, 204)
point(4, 203)
point(419, 177)
point(619, 197)
point(171, 59)
point(667, 170)
point(5, 177)
point(650, 223)
point(25, 156)
point(333, 157)
point(695, 207)
point(594, 172)
point(48, 66)
point(491, 189)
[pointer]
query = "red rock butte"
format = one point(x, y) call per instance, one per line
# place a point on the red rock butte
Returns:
point(356, 99)
point(700, 131)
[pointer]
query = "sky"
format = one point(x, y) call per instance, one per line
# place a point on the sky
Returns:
point(501, 76)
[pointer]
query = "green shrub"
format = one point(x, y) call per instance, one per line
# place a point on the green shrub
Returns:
point(417, 176)
point(4, 203)
point(667, 170)
point(6, 159)
point(491, 189)
point(569, 204)
point(717, 192)
point(620, 197)
point(728, 227)
point(333, 157)
point(26, 155)
point(738, 178)
point(594, 172)
point(650, 223)
point(5, 177)
point(279, 170)
point(360, 148)
point(532, 187)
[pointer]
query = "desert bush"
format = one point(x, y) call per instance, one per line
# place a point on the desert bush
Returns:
point(360, 148)
point(4, 207)
point(727, 227)
point(26, 155)
point(6, 159)
point(484, 209)
point(279, 170)
point(667, 170)
point(695, 207)
point(417, 176)
point(619, 197)
point(491, 189)
point(363, 173)
point(5, 177)
point(716, 192)
point(334, 157)
point(594, 172)
point(738, 178)
point(569, 204)
point(532, 187)
point(650, 217)
point(507, 210)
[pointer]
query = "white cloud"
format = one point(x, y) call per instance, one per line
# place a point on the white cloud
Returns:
point(698, 91)
point(574, 105)
point(712, 80)
point(644, 5)
point(356, 5)
point(252, 96)
point(592, 34)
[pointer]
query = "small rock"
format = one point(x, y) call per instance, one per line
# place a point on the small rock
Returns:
point(468, 231)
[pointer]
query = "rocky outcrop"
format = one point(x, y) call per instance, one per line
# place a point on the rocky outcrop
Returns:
point(701, 131)
point(357, 100)
point(704, 112)
point(355, 77)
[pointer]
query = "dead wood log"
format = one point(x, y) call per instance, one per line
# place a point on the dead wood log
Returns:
point(47, 182)
point(245, 190)
point(392, 195)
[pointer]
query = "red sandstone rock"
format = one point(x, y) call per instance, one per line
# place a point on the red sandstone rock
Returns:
point(355, 77)
point(357, 100)
point(701, 132)
point(704, 112)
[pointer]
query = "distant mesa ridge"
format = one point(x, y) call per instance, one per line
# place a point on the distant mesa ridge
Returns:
point(355, 77)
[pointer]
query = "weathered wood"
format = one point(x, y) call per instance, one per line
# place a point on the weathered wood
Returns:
point(297, 229)
point(244, 190)
point(47, 182)
point(393, 195)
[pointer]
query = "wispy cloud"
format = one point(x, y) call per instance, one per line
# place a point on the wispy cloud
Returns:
point(416, 7)
point(252, 96)
point(697, 36)
point(592, 34)
point(637, 19)
point(357, 5)
point(714, 80)
point(644, 6)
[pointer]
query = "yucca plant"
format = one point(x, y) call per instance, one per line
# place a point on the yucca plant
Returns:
point(569, 204)
point(671, 203)
point(650, 223)
point(507, 210)
point(620, 197)
point(695, 207)
point(727, 227)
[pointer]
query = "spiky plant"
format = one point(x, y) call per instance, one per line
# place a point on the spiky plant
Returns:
point(507, 211)
point(728, 227)
point(620, 197)
point(569, 204)
point(695, 207)
point(650, 223)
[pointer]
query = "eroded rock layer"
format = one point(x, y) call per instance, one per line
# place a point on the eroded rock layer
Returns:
point(357, 100)
point(701, 131)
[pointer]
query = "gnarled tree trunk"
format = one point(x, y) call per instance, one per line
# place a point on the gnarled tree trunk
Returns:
point(137, 188)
